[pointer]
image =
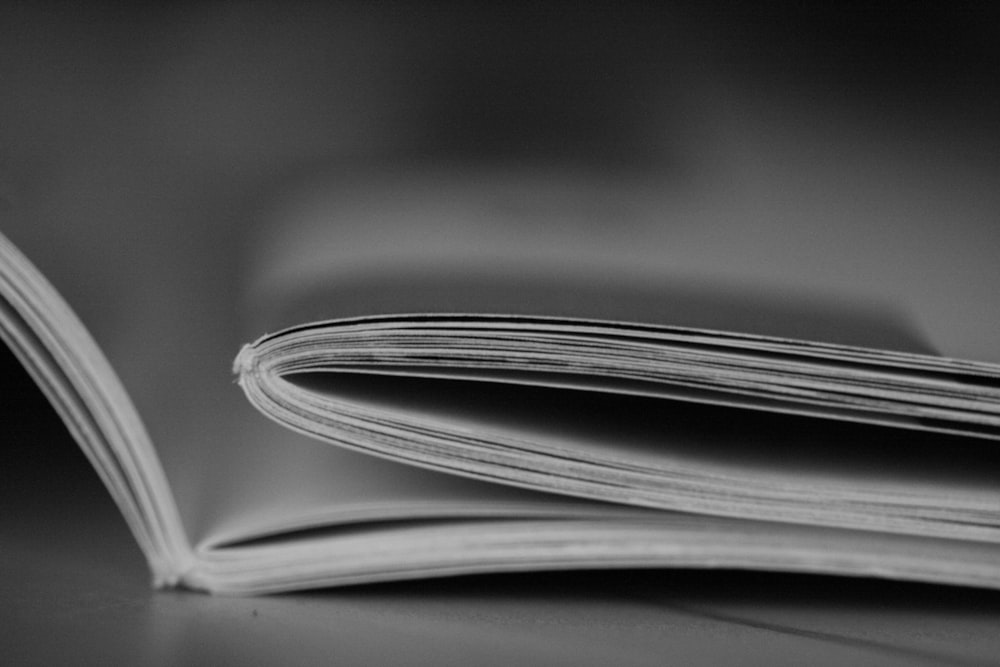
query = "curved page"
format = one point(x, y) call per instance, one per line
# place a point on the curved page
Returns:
point(511, 247)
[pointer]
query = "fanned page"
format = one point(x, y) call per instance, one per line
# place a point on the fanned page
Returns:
point(494, 335)
point(591, 410)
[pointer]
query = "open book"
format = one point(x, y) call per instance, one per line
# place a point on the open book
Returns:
point(457, 397)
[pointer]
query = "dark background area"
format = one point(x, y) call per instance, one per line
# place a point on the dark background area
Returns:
point(175, 116)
